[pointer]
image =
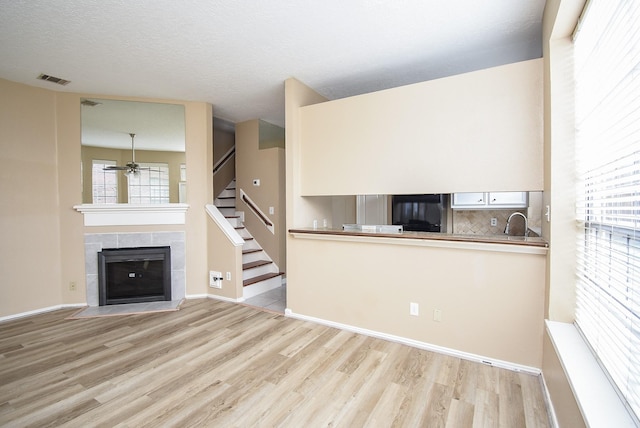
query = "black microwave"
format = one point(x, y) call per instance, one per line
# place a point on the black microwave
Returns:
point(420, 213)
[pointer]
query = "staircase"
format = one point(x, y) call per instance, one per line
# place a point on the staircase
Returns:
point(259, 273)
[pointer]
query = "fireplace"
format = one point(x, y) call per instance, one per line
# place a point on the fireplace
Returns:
point(134, 275)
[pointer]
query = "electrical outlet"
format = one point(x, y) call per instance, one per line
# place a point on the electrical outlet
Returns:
point(494, 221)
point(414, 309)
point(437, 315)
point(215, 279)
point(228, 276)
point(271, 210)
point(72, 286)
point(256, 181)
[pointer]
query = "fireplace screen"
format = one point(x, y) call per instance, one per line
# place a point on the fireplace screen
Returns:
point(134, 275)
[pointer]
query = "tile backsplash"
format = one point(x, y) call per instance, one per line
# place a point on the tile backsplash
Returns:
point(478, 222)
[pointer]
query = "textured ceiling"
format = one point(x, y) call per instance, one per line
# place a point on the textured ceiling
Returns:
point(237, 54)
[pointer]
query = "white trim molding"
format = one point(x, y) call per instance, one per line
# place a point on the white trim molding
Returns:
point(224, 225)
point(597, 399)
point(42, 311)
point(225, 299)
point(132, 214)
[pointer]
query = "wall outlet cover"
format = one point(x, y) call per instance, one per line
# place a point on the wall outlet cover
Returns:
point(215, 279)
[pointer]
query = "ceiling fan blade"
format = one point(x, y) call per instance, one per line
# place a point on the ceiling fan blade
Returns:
point(115, 168)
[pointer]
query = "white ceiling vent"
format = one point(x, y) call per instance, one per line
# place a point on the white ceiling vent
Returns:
point(53, 79)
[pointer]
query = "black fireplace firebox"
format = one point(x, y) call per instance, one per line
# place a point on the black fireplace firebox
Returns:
point(134, 275)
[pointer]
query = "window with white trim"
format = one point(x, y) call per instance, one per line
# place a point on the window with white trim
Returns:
point(607, 75)
point(104, 184)
point(150, 185)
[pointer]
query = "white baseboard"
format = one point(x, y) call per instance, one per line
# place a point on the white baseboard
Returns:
point(551, 411)
point(196, 296)
point(224, 299)
point(42, 311)
point(418, 344)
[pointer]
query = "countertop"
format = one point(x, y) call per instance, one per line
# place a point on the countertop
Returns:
point(488, 239)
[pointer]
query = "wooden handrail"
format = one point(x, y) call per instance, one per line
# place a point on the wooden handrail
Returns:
point(224, 159)
point(256, 210)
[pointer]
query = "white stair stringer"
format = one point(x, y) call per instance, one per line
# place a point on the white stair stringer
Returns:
point(259, 270)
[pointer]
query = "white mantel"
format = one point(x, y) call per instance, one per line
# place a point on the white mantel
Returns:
point(132, 214)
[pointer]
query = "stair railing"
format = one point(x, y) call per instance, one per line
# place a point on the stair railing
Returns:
point(224, 159)
point(254, 208)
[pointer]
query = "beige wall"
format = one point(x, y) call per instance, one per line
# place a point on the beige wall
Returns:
point(560, 18)
point(30, 259)
point(564, 403)
point(492, 302)
point(430, 137)
point(268, 166)
point(69, 193)
point(43, 236)
point(222, 142)
point(224, 257)
point(199, 152)
point(560, 162)
point(302, 210)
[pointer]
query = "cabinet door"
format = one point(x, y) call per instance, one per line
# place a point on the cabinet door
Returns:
point(476, 199)
point(508, 199)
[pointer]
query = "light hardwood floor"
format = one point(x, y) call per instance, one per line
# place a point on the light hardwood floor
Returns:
point(226, 365)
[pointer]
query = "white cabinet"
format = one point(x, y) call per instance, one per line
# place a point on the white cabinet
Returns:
point(508, 199)
point(469, 200)
point(489, 200)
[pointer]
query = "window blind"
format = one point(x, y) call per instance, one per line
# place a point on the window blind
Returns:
point(607, 76)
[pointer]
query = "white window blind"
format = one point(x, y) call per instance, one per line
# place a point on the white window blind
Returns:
point(150, 185)
point(104, 184)
point(607, 74)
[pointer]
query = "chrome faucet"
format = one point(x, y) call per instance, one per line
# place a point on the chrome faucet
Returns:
point(526, 223)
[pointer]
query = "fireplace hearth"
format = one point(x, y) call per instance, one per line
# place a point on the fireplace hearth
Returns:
point(134, 275)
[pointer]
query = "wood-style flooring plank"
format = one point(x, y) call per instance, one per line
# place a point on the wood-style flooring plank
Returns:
point(215, 363)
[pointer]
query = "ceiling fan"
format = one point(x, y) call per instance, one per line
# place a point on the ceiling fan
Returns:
point(131, 168)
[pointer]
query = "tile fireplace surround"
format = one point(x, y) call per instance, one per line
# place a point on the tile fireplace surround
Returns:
point(95, 242)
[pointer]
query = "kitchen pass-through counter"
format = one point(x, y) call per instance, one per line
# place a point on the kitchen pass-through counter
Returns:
point(521, 244)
